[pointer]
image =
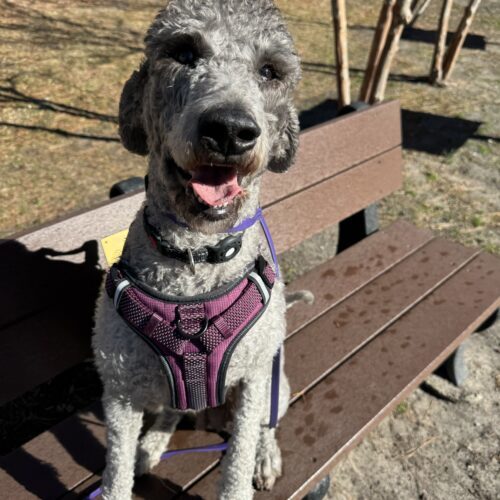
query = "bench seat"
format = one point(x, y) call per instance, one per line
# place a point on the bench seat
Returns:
point(391, 308)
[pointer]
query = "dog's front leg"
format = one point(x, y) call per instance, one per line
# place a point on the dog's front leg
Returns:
point(124, 424)
point(239, 463)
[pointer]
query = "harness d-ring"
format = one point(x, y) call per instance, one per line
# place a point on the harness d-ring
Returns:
point(185, 335)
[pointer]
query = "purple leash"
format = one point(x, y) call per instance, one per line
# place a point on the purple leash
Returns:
point(275, 381)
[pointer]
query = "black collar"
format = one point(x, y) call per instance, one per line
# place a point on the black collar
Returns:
point(224, 251)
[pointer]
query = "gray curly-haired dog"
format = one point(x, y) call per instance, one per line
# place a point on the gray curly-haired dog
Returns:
point(212, 99)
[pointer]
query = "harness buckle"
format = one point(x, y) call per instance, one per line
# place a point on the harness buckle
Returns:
point(257, 280)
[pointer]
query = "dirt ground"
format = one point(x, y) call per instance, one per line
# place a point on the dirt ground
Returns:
point(62, 66)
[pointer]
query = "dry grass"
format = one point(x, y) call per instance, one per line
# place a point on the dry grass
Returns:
point(63, 65)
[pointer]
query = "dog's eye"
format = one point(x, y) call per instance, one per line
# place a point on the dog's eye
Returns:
point(268, 72)
point(185, 55)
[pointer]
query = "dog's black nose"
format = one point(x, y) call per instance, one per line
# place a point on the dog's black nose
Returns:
point(228, 131)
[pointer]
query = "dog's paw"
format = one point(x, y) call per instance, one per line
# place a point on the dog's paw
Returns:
point(267, 465)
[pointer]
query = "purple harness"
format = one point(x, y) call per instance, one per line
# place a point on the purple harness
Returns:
point(195, 337)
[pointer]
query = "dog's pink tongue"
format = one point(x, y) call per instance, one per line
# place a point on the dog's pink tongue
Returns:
point(216, 186)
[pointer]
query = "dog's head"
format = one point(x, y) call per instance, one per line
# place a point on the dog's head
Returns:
point(212, 105)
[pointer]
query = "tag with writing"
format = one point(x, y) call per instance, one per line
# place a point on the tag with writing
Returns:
point(113, 246)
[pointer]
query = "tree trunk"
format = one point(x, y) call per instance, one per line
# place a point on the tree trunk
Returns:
point(418, 11)
point(340, 29)
point(402, 15)
point(437, 60)
point(378, 44)
point(456, 44)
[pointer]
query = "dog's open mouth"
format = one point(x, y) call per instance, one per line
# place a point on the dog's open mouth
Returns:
point(214, 187)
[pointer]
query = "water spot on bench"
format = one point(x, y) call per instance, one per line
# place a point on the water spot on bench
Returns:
point(460, 303)
point(439, 302)
point(334, 339)
point(423, 344)
point(329, 273)
point(480, 292)
point(328, 296)
point(390, 363)
point(344, 315)
point(299, 430)
point(392, 248)
point(444, 254)
point(404, 345)
point(408, 337)
point(469, 283)
point(309, 419)
point(379, 263)
point(378, 256)
point(353, 362)
point(336, 410)
point(373, 397)
point(367, 321)
point(477, 301)
point(372, 302)
point(414, 276)
point(350, 271)
point(309, 440)
point(328, 381)
point(322, 430)
point(489, 273)
point(385, 288)
point(399, 281)
point(384, 349)
point(340, 324)
point(362, 313)
point(331, 394)
point(384, 311)
point(302, 356)
point(368, 291)
point(398, 377)
point(424, 260)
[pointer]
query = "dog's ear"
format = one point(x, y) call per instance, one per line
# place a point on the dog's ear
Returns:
point(131, 125)
point(288, 143)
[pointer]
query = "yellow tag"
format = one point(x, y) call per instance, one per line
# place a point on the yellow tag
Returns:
point(113, 246)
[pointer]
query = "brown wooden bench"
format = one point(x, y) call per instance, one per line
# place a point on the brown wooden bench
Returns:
point(388, 311)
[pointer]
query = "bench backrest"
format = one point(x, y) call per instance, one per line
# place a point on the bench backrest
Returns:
point(50, 277)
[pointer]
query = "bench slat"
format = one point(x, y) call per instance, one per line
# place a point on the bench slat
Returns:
point(309, 212)
point(335, 146)
point(347, 327)
point(342, 276)
point(334, 415)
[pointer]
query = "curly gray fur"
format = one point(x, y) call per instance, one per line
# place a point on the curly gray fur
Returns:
point(159, 113)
